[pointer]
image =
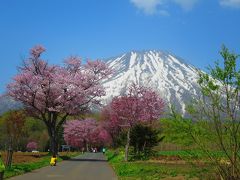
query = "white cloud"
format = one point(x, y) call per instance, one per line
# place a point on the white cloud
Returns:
point(158, 6)
point(230, 3)
point(148, 6)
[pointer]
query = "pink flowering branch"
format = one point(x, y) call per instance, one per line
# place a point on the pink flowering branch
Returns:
point(52, 93)
point(82, 133)
point(140, 105)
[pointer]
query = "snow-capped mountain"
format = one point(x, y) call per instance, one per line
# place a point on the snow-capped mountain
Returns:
point(174, 79)
point(7, 103)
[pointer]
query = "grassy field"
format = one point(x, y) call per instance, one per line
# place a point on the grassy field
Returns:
point(170, 168)
point(24, 162)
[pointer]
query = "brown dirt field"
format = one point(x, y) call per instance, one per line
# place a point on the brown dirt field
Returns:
point(23, 157)
point(178, 178)
point(168, 158)
point(175, 160)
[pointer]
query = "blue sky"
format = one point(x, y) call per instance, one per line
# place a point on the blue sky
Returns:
point(191, 29)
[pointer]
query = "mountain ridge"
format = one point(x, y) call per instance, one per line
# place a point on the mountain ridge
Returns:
point(175, 79)
point(7, 103)
point(171, 76)
point(148, 50)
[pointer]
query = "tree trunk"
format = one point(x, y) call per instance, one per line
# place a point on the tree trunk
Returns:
point(1, 175)
point(9, 156)
point(144, 146)
point(54, 145)
point(9, 153)
point(87, 147)
point(53, 135)
point(127, 145)
point(234, 159)
point(54, 129)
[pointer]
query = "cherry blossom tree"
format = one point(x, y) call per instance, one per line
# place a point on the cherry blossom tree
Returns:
point(139, 105)
point(112, 124)
point(82, 133)
point(100, 136)
point(32, 145)
point(51, 93)
point(77, 132)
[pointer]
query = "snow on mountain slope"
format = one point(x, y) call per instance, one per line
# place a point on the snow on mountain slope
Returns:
point(7, 103)
point(175, 80)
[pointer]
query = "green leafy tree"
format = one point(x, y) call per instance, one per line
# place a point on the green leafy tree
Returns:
point(144, 138)
point(219, 105)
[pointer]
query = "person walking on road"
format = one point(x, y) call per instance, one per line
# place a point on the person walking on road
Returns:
point(2, 167)
point(103, 150)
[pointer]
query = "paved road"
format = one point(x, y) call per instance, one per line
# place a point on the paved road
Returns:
point(90, 166)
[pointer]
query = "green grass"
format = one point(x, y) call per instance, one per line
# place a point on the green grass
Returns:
point(26, 167)
point(146, 170)
point(22, 168)
point(149, 170)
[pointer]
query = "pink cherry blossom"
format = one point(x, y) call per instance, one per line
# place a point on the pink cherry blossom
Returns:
point(32, 146)
point(51, 93)
point(80, 133)
point(37, 51)
point(139, 105)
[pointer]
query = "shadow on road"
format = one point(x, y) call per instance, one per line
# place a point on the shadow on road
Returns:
point(90, 160)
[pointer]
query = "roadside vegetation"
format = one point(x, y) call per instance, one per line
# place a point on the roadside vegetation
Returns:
point(24, 162)
point(168, 168)
point(208, 138)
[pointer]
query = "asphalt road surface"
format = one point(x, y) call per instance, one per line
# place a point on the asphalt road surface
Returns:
point(90, 166)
